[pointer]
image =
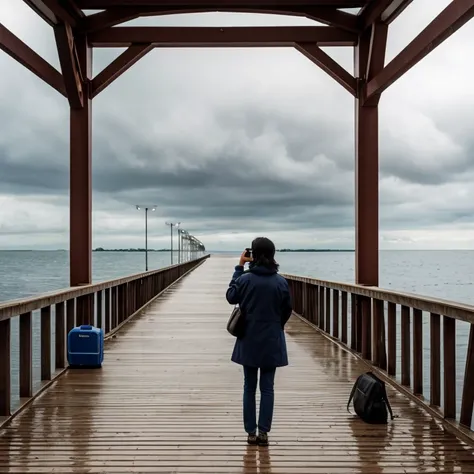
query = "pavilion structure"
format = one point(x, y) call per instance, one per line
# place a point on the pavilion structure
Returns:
point(78, 33)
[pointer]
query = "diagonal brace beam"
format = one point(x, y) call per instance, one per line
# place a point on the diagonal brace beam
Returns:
point(117, 67)
point(376, 58)
point(453, 17)
point(69, 64)
point(18, 50)
point(314, 53)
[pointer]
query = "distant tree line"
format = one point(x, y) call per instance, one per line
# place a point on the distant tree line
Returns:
point(101, 249)
point(314, 250)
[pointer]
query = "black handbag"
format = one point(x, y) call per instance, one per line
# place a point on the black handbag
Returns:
point(370, 399)
point(236, 323)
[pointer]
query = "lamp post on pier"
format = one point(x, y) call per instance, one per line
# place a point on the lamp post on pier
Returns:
point(172, 224)
point(184, 238)
point(151, 208)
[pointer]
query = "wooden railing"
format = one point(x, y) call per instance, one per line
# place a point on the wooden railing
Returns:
point(107, 305)
point(386, 328)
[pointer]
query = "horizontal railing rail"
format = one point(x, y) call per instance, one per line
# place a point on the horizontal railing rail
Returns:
point(107, 305)
point(389, 330)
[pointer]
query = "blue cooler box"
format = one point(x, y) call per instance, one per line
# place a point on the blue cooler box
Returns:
point(85, 347)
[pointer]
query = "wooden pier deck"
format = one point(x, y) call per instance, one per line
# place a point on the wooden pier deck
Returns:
point(168, 399)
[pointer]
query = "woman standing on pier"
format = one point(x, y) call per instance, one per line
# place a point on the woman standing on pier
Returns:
point(264, 299)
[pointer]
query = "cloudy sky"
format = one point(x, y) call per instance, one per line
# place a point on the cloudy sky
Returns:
point(235, 143)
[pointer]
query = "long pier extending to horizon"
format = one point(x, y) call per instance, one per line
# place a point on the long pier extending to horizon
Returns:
point(168, 398)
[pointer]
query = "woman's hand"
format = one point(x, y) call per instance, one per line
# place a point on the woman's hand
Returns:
point(244, 259)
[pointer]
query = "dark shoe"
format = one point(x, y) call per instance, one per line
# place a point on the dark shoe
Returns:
point(262, 439)
point(252, 439)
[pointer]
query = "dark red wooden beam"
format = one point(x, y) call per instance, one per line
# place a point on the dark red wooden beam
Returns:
point(69, 64)
point(18, 50)
point(328, 65)
point(80, 190)
point(104, 4)
point(381, 10)
point(115, 16)
point(453, 17)
point(223, 37)
point(376, 58)
point(395, 8)
point(40, 7)
point(117, 67)
point(54, 11)
point(333, 17)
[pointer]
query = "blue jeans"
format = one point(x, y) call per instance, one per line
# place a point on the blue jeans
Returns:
point(267, 397)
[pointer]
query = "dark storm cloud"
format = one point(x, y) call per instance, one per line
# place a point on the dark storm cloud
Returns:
point(237, 140)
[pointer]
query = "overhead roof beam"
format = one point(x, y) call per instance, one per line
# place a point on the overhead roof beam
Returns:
point(214, 36)
point(216, 4)
point(115, 16)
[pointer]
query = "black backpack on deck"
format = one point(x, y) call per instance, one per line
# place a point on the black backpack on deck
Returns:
point(370, 399)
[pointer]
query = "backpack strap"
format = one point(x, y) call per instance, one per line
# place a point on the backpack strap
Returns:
point(351, 396)
point(385, 397)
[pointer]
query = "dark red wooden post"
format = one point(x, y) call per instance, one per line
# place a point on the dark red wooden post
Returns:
point(366, 59)
point(80, 176)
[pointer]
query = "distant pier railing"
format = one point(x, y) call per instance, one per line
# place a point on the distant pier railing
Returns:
point(108, 305)
point(385, 328)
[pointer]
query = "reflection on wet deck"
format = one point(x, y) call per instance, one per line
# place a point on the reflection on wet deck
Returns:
point(168, 399)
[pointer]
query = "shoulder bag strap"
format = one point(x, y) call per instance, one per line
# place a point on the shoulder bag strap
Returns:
point(351, 396)
point(387, 402)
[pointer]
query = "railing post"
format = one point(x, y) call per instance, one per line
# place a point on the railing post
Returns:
point(84, 309)
point(449, 345)
point(60, 336)
point(70, 314)
point(405, 336)
point(99, 309)
point(327, 325)
point(46, 343)
point(435, 360)
point(5, 368)
point(335, 314)
point(107, 311)
point(354, 345)
point(392, 338)
point(26, 355)
point(468, 389)
point(321, 308)
point(418, 351)
point(114, 321)
point(366, 327)
point(344, 316)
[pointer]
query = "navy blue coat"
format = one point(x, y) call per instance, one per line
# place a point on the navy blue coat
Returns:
point(264, 299)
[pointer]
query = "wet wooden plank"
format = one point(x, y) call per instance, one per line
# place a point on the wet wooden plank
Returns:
point(168, 399)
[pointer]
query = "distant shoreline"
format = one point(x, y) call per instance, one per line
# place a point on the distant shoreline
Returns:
point(100, 249)
point(313, 250)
